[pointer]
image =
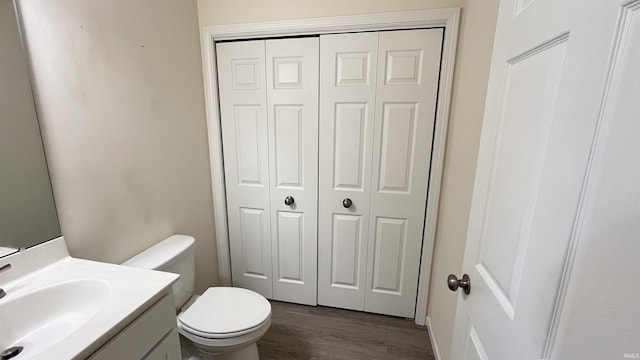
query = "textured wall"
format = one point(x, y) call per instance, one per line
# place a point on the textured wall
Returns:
point(119, 89)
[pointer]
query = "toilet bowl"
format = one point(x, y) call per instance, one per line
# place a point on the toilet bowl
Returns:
point(224, 323)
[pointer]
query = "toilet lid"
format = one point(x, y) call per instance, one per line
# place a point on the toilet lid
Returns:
point(223, 310)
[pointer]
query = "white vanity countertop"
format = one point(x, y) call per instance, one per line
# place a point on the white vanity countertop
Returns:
point(6, 251)
point(118, 294)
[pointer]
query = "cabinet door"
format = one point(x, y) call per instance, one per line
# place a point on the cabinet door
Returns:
point(292, 107)
point(407, 86)
point(348, 64)
point(167, 349)
point(243, 109)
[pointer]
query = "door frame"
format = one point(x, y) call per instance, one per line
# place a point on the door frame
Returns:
point(442, 18)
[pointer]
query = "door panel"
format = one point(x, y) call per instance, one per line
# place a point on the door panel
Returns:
point(255, 254)
point(292, 103)
point(346, 243)
point(474, 349)
point(247, 137)
point(244, 134)
point(288, 146)
point(530, 96)
point(389, 249)
point(403, 67)
point(290, 247)
point(348, 64)
point(409, 63)
point(350, 133)
point(545, 89)
point(396, 159)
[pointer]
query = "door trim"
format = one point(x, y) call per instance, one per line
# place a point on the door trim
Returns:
point(444, 18)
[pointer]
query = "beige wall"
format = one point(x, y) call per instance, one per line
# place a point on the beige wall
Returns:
point(119, 89)
point(472, 70)
point(218, 12)
point(470, 84)
point(27, 210)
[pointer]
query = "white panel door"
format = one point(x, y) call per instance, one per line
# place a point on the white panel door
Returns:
point(292, 107)
point(546, 85)
point(243, 108)
point(348, 71)
point(408, 70)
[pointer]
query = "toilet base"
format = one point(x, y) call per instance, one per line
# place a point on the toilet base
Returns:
point(190, 352)
point(248, 353)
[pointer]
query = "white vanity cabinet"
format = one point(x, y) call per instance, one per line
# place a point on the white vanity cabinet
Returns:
point(152, 335)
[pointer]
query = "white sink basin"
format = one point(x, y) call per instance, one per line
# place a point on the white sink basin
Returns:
point(35, 319)
point(60, 308)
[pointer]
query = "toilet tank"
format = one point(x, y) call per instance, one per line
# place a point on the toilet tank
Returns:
point(174, 254)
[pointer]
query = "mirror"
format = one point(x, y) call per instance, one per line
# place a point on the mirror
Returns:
point(27, 210)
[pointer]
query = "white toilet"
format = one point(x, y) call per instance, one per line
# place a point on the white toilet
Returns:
point(224, 323)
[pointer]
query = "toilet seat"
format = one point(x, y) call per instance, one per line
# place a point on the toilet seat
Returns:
point(225, 312)
point(236, 341)
point(211, 336)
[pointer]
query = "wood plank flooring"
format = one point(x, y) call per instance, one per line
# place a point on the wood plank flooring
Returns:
point(321, 333)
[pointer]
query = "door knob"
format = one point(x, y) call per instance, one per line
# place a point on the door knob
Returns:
point(347, 203)
point(464, 283)
point(288, 200)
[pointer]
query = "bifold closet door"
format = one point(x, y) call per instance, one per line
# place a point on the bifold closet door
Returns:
point(406, 96)
point(292, 103)
point(243, 111)
point(378, 104)
point(348, 70)
point(269, 111)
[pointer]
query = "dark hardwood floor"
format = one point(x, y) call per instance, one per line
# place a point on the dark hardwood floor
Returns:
point(306, 332)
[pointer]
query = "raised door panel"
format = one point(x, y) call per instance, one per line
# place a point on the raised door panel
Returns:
point(292, 111)
point(241, 77)
point(348, 146)
point(288, 123)
point(253, 245)
point(389, 244)
point(348, 64)
point(473, 348)
point(517, 170)
point(408, 71)
point(246, 128)
point(346, 245)
point(397, 147)
point(290, 243)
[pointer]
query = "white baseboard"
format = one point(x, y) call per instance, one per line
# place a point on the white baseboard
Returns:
point(432, 338)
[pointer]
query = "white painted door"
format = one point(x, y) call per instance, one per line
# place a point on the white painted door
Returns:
point(243, 108)
point(407, 91)
point(348, 71)
point(378, 94)
point(292, 103)
point(547, 82)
